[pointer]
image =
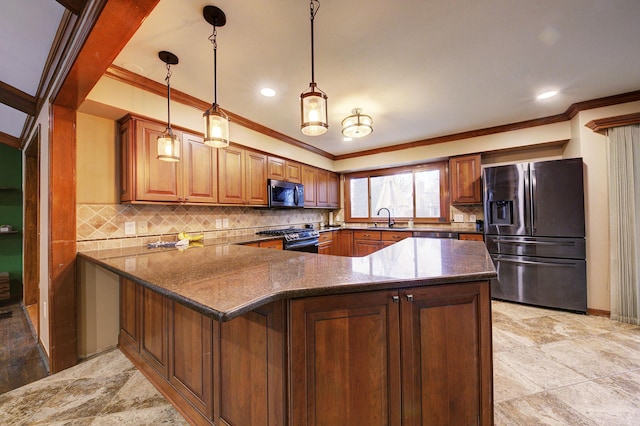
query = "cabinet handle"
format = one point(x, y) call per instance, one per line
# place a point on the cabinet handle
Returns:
point(395, 299)
point(410, 297)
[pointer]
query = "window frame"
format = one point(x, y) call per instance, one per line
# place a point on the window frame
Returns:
point(442, 166)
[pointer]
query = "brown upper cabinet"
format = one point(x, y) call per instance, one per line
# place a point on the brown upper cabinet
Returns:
point(465, 172)
point(285, 170)
point(321, 188)
point(145, 178)
point(242, 177)
point(309, 182)
point(204, 175)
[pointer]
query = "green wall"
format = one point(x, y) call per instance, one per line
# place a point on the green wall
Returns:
point(11, 214)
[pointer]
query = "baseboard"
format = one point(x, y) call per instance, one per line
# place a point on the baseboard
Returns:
point(598, 312)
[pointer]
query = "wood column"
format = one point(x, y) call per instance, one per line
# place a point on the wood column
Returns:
point(62, 238)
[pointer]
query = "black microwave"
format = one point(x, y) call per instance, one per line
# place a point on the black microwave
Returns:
point(285, 194)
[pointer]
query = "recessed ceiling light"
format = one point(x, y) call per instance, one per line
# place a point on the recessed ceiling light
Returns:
point(268, 92)
point(547, 95)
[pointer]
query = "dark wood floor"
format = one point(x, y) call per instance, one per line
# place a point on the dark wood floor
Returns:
point(20, 359)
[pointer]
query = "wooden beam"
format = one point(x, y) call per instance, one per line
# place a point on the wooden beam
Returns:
point(117, 23)
point(17, 99)
point(12, 141)
point(73, 6)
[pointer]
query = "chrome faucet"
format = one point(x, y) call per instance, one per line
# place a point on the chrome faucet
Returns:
point(391, 222)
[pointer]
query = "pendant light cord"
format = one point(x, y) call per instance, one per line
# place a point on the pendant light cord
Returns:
point(313, 9)
point(168, 79)
point(212, 38)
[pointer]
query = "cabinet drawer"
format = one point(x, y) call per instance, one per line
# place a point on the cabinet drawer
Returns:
point(325, 236)
point(471, 237)
point(272, 244)
point(366, 235)
point(395, 235)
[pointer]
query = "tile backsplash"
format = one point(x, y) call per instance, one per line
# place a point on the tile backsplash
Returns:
point(101, 226)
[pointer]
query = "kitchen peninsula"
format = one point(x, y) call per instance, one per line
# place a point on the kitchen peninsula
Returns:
point(242, 335)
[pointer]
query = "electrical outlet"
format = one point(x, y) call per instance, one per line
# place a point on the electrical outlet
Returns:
point(458, 218)
point(218, 223)
point(472, 218)
point(143, 227)
point(129, 228)
point(225, 223)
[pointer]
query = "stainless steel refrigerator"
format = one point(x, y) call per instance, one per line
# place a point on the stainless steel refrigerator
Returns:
point(535, 233)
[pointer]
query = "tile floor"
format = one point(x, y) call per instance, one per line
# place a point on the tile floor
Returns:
point(550, 368)
point(20, 360)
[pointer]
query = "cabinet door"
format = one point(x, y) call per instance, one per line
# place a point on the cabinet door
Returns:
point(256, 178)
point(154, 336)
point(334, 190)
point(156, 180)
point(231, 175)
point(322, 188)
point(345, 367)
point(293, 172)
point(365, 247)
point(343, 244)
point(465, 179)
point(191, 351)
point(252, 368)
point(276, 168)
point(200, 166)
point(325, 248)
point(273, 244)
point(129, 302)
point(446, 355)
point(309, 182)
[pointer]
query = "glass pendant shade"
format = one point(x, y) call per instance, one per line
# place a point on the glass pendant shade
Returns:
point(168, 147)
point(357, 125)
point(168, 143)
point(313, 105)
point(216, 128)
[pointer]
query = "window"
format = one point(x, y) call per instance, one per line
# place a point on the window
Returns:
point(418, 193)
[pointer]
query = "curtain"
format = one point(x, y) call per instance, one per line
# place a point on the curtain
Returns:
point(624, 212)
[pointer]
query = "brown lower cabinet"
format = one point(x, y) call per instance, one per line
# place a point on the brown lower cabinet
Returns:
point(416, 356)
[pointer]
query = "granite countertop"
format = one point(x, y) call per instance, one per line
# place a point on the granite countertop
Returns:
point(224, 281)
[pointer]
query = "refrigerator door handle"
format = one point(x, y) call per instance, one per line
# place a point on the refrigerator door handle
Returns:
point(528, 262)
point(538, 243)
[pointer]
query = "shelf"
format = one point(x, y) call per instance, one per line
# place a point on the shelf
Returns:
point(9, 233)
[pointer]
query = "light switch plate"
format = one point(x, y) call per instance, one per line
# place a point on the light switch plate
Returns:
point(218, 223)
point(225, 223)
point(458, 218)
point(472, 218)
point(129, 228)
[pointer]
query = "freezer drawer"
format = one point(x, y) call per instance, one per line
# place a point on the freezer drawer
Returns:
point(572, 248)
point(553, 283)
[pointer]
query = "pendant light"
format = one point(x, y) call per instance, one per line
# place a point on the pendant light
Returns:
point(357, 125)
point(313, 102)
point(216, 122)
point(168, 143)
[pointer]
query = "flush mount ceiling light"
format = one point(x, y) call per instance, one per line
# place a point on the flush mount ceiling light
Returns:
point(216, 122)
point(357, 125)
point(168, 143)
point(313, 102)
point(268, 92)
point(546, 95)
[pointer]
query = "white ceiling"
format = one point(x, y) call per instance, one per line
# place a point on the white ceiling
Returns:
point(420, 68)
